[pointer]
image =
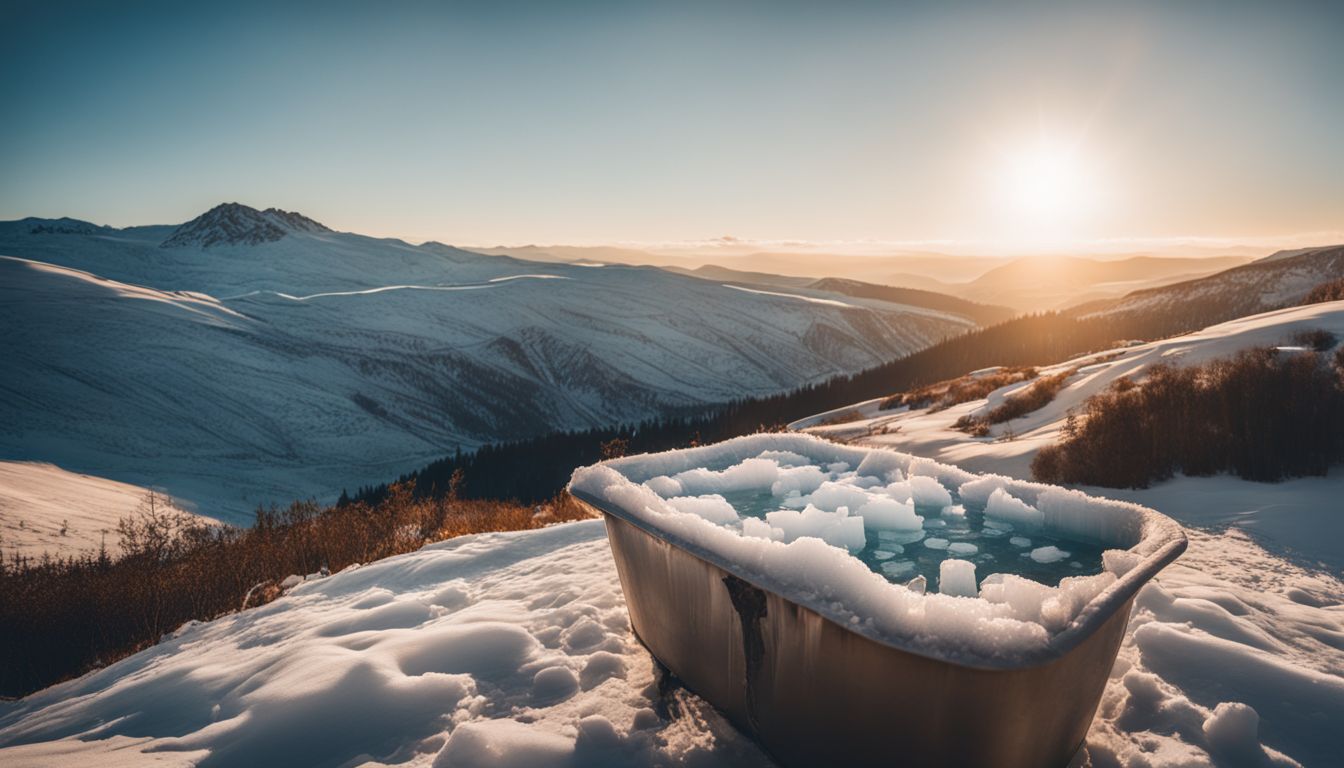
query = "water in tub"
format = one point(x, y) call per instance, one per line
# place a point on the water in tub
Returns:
point(886, 531)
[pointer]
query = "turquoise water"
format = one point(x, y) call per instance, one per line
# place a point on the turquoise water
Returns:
point(1000, 547)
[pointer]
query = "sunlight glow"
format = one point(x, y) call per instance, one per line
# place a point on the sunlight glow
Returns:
point(1044, 189)
point(1044, 182)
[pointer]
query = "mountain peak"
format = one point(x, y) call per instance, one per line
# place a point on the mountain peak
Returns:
point(238, 224)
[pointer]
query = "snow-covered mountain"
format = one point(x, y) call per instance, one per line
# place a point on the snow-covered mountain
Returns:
point(236, 224)
point(233, 369)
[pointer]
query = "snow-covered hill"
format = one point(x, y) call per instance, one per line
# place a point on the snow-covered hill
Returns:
point(234, 373)
point(515, 649)
point(47, 510)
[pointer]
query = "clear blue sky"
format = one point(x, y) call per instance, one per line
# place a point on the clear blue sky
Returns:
point(501, 122)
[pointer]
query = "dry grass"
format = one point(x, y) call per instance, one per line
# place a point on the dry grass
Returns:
point(1035, 397)
point(963, 389)
point(844, 417)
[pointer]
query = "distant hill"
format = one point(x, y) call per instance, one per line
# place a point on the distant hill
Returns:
point(1035, 283)
point(1246, 290)
point(982, 314)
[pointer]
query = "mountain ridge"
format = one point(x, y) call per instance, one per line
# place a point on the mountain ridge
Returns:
point(238, 224)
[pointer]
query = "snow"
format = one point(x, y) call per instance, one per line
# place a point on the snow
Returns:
point(439, 655)
point(38, 500)
point(496, 649)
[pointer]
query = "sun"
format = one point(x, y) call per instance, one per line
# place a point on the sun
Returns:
point(1044, 182)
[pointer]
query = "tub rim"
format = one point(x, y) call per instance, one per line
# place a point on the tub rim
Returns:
point(1161, 541)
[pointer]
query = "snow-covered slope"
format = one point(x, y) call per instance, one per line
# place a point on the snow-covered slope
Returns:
point(47, 510)
point(233, 374)
point(1298, 515)
point(515, 649)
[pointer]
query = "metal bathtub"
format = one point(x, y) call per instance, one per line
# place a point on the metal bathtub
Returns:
point(813, 691)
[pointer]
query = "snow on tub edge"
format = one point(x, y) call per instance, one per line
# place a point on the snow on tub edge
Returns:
point(1013, 622)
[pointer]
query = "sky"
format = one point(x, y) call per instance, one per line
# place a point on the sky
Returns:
point(1032, 125)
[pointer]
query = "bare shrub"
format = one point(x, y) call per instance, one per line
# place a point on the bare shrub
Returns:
point(1261, 415)
point(63, 617)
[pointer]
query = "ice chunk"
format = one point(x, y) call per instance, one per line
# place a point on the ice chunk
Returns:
point(935, 523)
point(897, 568)
point(664, 486)
point(889, 514)
point(1023, 596)
point(901, 537)
point(1048, 554)
point(713, 507)
point(918, 584)
point(832, 496)
point(936, 543)
point(977, 491)
point(757, 528)
point(928, 492)
point(838, 528)
point(882, 464)
point(1020, 541)
point(957, 578)
point(962, 548)
point(797, 480)
point(1005, 507)
point(836, 467)
point(785, 458)
point(886, 554)
point(898, 490)
point(954, 510)
point(752, 473)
